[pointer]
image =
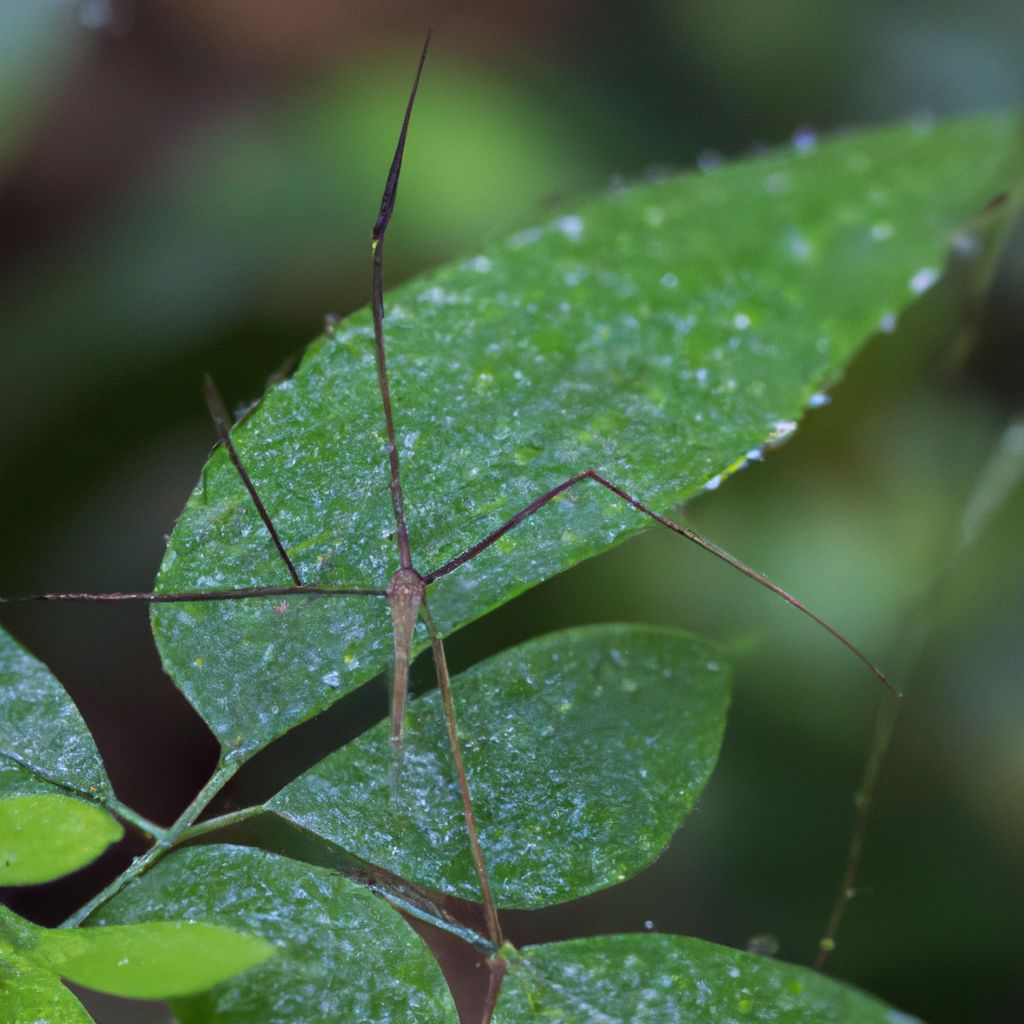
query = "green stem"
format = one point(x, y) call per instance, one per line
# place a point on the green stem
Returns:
point(148, 828)
point(213, 824)
point(163, 845)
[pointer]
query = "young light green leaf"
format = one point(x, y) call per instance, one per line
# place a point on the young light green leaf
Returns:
point(585, 750)
point(658, 336)
point(41, 729)
point(152, 959)
point(33, 995)
point(342, 953)
point(46, 835)
point(652, 979)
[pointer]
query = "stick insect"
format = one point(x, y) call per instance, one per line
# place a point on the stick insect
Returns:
point(406, 592)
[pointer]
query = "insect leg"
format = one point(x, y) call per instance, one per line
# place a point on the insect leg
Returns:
point(222, 421)
point(444, 684)
point(684, 531)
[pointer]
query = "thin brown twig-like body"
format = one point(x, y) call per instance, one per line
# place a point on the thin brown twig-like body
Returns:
point(406, 591)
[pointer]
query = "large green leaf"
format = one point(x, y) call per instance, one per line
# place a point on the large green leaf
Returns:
point(151, 959)
point(659, 336)
point(34, 995)
point(342, 953)
point(41, 730)
point(146, 960)
point(46, 835)
point(584, 750)
point(653, 979)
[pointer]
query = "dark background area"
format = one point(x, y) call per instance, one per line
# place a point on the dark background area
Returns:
point(188, 186)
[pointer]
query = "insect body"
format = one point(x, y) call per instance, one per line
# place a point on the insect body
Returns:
point(410, 586)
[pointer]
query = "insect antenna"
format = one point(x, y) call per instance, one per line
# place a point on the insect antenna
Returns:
point(387, 208)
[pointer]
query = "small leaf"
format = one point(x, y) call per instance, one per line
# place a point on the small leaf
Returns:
point(654, 979)
point(585, 750)
point(659, 335)
point(32, 995)
point(40, 727)
point(342, 953)
point(151, 960)
point(45, 836)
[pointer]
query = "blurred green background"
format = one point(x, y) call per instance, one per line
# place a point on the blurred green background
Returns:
point(189, 186)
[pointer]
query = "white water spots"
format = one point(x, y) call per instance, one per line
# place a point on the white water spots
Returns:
point(805, 139)
point(571, 278)
point(701, 376)
point(887, 325)
point(881, 232)
point(798, 246)
point(714, 483)
point(708, 160)
point(923, 280)
point(965, 244)
point(654, 217)
point(669, 281)
point(818, 399)
point(781, 430)
point(332, 679)
point(741, 321)
point(571, 226)
point(481, 264)
point(523, 238)
point(436, 296)
point(775, 183)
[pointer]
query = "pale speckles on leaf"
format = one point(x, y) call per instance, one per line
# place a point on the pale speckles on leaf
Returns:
point(923, 280)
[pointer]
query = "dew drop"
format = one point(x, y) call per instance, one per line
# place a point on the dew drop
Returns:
point(741, 321)
point(332, 679)
point(818, 399)
point(571, 226)
point(888, 323)
point(804, 139)
point(923, 280)
point(708, 160)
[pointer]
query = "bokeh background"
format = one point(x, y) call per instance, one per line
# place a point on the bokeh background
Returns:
point(188, 186)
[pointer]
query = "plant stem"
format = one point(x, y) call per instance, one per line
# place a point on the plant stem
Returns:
point(163, 845)
point(213, 824)
point(148, 828)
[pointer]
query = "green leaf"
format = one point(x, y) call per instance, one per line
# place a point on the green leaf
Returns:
point(33, 995)
point(342, 953)
point(152, 960)
point(652, 979)
point(41, 730)
point(45, 836)
point(659, 336)
point(584, 749)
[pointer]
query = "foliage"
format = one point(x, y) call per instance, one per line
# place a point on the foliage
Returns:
point(663, 335)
